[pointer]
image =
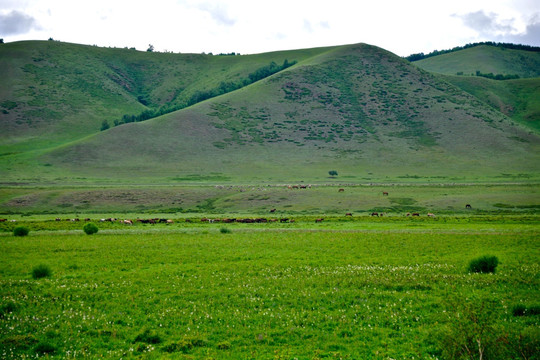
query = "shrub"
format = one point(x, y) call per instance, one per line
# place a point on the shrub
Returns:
point(225, 231)
point(148, 337)
point(484, 264)
point(471, 330)
point(41, 271)
point(21, 231)
point(7, 308)
point(45, 348)
point(522, 310)
point(90, 228)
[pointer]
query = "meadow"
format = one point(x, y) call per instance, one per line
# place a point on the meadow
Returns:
point(361, 288)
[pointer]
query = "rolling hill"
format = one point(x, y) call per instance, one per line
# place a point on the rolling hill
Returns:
point(54, 92)
point(485, 59)
point(356, 109)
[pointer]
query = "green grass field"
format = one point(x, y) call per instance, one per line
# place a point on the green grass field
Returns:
point(331, 281)
point(183, 201)
point(362, 289)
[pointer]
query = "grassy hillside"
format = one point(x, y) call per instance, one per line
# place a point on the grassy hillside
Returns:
point(356, 109)
point(54, 92)
point(486, 59)
point(518, 99)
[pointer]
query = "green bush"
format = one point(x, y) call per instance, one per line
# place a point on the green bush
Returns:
point(148, 337)
point(41, 271)
point(484, 264)
point(90, 228)
point(44, 348)
point(21, 231)
point(7, 308)
point(522, 310)
point(225, 231)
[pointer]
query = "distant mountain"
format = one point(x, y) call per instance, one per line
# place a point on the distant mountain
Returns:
point(356, 109)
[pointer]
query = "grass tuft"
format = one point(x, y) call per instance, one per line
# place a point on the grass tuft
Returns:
point(41, 271)
point(484, 264)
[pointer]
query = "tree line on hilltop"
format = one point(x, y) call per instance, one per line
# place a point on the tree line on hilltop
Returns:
point(421, 56)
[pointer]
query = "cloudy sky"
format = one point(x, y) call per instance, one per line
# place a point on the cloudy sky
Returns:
point(253, 26)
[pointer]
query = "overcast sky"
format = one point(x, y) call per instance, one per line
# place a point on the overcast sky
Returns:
point(252, 26)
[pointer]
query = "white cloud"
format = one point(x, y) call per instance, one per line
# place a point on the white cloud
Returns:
point(218, 12)
point(249, 26)
point(16, 23)
point(488, 24)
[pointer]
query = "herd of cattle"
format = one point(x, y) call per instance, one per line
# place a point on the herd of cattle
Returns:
point(234, 220)
point(211, 220)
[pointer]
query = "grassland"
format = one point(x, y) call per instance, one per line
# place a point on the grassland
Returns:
point(320, 284)
point(183, 201)
point(367, 288)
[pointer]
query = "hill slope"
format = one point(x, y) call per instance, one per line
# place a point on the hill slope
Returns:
point(486, 59)
point(356, 109)
point(518, 99)
point(53, 92)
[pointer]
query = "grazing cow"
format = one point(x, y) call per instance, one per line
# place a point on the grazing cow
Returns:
point(283, 220)
point(415, 214)
point(385, 193)
point(348, 214)
point(341, 190)
point(273, 210)
point(128, 222)
point(374, 214)
point(319, 220)
point(431, 215)
point(468, 206)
